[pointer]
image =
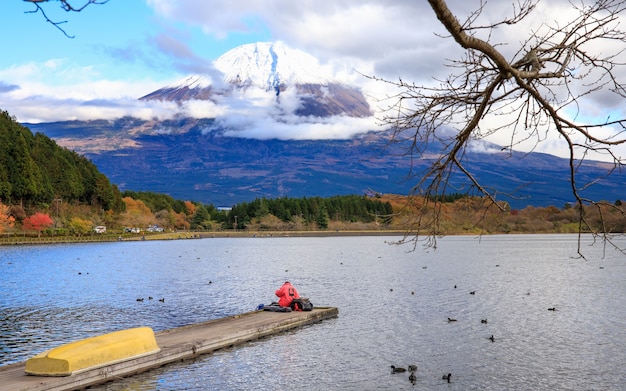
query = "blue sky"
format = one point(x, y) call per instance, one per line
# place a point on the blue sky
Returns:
point(122, 40)
point(125, 49)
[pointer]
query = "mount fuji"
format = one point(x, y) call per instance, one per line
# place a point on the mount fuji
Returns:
point(277, 70)
point(270, 121)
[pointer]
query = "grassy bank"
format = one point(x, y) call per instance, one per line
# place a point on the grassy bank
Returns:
point(29, 240)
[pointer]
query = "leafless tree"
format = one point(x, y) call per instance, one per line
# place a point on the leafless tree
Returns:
point(66, 5)
point(559, 68)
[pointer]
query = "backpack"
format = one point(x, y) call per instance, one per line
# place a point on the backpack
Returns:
point(301, 304)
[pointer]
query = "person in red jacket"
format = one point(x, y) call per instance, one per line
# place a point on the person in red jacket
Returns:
point(286, 294)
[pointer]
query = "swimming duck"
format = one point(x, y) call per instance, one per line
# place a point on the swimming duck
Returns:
point(451, 320)
point(397, 370)
point(483, 321)
point(472, 292)
point(162, 300)
point(412, 378)
point(447, 377)
point(140, 299)
point(552, 309)
point(412, 368)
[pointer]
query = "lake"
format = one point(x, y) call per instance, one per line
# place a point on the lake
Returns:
point(394, 305)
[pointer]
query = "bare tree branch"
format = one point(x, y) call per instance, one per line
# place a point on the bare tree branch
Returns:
point(66, 5)
point(542, 92)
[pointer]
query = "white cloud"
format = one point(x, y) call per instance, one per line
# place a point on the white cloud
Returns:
point(369, 31)
point(202, 109)
point(374, 37)
point(256, 113)
point(294, 128)
point(47, 109)
point(75, 93)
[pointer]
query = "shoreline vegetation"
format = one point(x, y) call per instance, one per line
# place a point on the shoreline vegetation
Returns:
point(410, 218)
point(16, 240)
point(190, 235)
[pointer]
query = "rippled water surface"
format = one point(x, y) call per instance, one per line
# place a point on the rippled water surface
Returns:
point(394, 306)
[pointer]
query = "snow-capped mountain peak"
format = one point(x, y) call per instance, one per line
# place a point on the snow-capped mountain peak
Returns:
point(193, 81)
point(270, 65)
point(274, 68)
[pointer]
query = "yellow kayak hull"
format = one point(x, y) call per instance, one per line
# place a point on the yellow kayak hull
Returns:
point(93, 352)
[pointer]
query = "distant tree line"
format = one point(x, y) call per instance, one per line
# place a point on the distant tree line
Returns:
point(448, 197)
point(157, 201)
point(311, 210)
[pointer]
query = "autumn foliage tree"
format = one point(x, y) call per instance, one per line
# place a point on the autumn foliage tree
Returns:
point(80, 226)
point(6, 220)
point(190, 208)
point(137, 214)
point(37, 222)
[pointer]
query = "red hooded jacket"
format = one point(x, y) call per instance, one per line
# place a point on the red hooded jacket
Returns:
point(286, 294)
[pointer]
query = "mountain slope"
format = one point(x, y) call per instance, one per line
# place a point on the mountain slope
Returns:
point(213, 168)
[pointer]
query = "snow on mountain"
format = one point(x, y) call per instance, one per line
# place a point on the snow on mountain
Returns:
point(193, 81)
point(270, 65)
point(191, 87)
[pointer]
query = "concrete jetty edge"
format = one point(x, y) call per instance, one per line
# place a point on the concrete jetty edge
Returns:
point(176, 344)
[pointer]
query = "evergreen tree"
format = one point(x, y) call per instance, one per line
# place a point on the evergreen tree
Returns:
point(201, 219)
point(322, 218)
point(25, 177)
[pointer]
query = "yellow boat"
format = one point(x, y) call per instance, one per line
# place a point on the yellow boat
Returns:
point(94, 352)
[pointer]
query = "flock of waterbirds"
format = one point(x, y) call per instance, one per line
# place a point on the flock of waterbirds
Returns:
point(411, 368)
point(162, 299)
point(447, 377)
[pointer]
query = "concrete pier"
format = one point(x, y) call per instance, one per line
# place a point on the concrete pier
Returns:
point(176, 344)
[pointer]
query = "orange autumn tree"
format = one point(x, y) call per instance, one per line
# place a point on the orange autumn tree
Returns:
point(180, 221)
point(37, 222)
point(6, 220)
point(191, 208)
point(137, 214)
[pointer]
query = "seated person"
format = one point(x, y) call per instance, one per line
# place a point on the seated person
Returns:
point(286, 294)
